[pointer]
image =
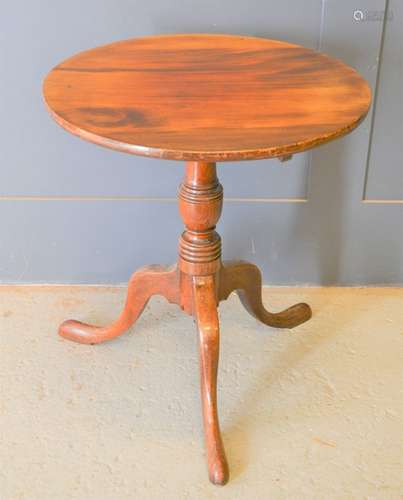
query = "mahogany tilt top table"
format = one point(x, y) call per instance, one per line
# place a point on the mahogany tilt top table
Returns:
point(203, 99)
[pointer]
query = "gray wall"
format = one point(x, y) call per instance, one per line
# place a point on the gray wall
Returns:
point(73, 212)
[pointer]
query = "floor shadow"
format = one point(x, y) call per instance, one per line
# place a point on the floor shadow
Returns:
point(315, 332)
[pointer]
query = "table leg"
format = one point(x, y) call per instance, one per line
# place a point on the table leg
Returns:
point(246, 280)
point(148, 281)
point(205, 311)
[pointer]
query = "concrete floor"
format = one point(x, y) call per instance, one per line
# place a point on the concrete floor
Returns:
point(312, 413)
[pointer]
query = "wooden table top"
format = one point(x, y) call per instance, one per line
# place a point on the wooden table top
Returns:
point(206, 97)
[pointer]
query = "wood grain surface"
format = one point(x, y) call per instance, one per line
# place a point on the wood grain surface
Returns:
point(206, 97)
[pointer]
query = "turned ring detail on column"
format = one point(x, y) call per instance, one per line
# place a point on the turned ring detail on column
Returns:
point(200, 206)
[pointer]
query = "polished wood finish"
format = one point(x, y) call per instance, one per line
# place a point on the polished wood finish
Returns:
point(203, 98)
point(197, 284)
point(206, 97)
point(205, 300)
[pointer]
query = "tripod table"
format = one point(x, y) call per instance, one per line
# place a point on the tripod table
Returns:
point(203, 99)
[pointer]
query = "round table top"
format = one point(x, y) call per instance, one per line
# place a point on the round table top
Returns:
point(206, 97)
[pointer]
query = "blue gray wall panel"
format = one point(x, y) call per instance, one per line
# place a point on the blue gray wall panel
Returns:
point(72, 212)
